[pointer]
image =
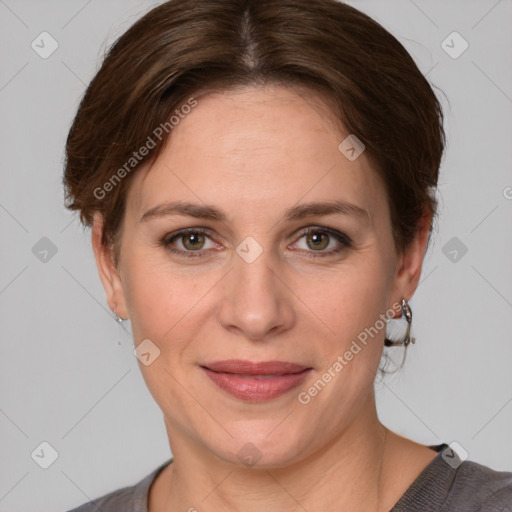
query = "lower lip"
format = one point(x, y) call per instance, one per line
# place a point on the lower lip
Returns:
point(256, 390)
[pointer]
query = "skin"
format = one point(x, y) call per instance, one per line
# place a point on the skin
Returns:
point(254, 153)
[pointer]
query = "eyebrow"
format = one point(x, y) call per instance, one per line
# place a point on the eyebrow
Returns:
point(295, 213)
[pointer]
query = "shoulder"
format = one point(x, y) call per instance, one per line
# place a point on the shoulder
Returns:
point(451, 484)
point(115, 501)
point(480, 488)
point(132, 498)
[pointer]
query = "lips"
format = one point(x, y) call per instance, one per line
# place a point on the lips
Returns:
point(256, 381)
point(241, 367)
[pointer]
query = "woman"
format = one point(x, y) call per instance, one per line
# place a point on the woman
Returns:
point(259, 177)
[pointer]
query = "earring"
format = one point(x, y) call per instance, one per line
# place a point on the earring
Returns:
point(407, 313)
point(121, 323)
point(119, 320)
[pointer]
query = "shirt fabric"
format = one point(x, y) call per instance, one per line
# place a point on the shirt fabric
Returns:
point(446, 484)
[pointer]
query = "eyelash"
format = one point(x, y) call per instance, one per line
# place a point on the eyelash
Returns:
point(344, 240)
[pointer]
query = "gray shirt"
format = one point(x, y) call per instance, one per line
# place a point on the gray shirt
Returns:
point(446, 484)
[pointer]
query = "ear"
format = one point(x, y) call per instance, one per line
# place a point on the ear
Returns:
point(410, 264)
point(107, 270)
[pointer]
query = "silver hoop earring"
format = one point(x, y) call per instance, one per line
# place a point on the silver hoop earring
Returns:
point(126, 327)
point(407, 313)
point(118, 319)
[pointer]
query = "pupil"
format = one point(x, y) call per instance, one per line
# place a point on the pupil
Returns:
point(317, 239)
point(193, 239)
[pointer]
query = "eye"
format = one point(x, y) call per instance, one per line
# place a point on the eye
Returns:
point(317, 239)
point(192, 241)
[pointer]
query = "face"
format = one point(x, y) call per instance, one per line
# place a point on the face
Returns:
point(267, 271)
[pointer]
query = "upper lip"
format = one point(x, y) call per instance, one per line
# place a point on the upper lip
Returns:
point(243, 367)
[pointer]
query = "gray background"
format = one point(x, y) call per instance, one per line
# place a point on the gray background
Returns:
point(68, 375)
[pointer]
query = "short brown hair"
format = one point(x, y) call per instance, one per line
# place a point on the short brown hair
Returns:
point(185, 46)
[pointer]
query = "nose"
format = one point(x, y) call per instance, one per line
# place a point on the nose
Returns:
point(256, 300)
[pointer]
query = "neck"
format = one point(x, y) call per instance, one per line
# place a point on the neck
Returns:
point(350, 472)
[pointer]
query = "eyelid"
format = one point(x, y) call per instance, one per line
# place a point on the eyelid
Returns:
point(168, 239)
point(342, 238)
point(330, 231)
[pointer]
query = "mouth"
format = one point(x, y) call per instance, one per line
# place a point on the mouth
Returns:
point(258, 381)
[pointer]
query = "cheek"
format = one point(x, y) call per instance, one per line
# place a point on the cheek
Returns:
point(350, 308)
point(347, 306)
point(161, 301)
point(158, 310)
point(349, 297)
point(152, 298)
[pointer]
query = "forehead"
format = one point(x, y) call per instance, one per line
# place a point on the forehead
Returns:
point(255, 149)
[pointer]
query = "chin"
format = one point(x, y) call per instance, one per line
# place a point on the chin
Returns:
point(257, 449)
